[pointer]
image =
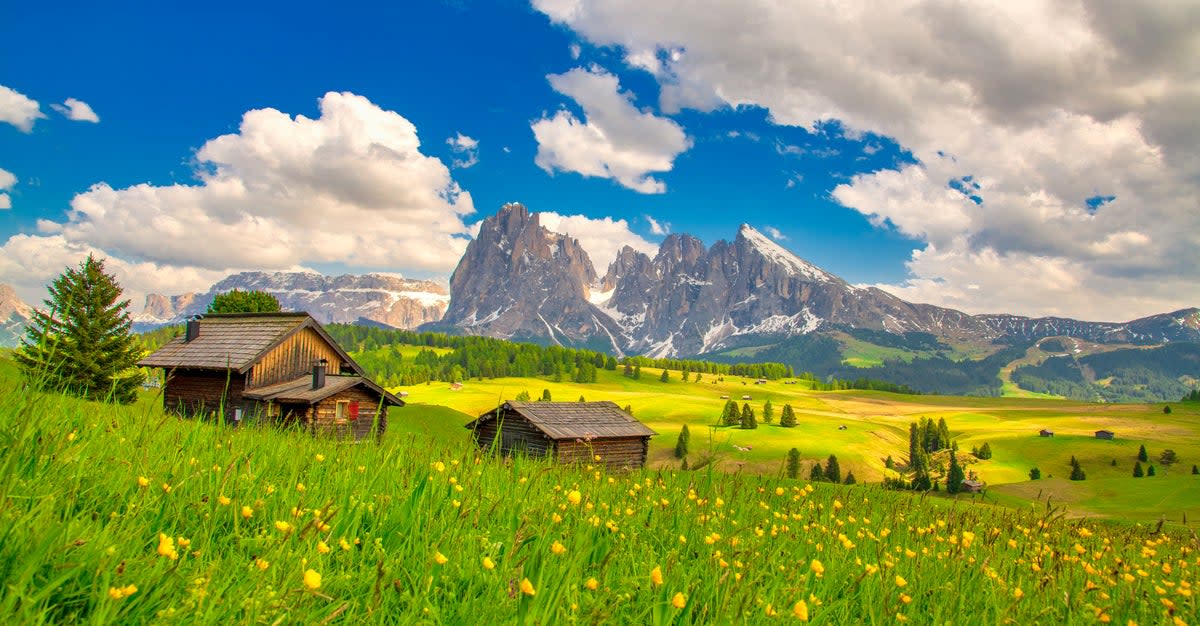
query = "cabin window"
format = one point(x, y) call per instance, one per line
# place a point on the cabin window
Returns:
point(237, 414)
point(342, 411)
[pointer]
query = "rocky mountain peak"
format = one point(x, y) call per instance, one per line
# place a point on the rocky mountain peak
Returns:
point(11, 305)
point(751, 240)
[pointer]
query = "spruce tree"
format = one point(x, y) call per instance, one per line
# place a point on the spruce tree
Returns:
point(666, 376)
point(1035, 474)
point(637, 371)
point(816, 474)
point(731, 416)
point(1150, 471)
point(850, 480)
point(629, 409)
point(748, 420)
point(943, 432)
point(889, 463)
point(768, 412)
point(546, 395)
point(955, 476)
point(833, 472)
point(1137, 469)
point(788, 418)
point(681, 444)
point(628, 369)
point(985, 451)
point(1142, 456)
point(914, 444)
point(1077, 472)
point(81, 344)
point(581, 399)
point(1195, 470)
point(793, 463)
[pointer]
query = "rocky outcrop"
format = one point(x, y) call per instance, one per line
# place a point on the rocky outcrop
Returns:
point(14, 315)
point(518, 280)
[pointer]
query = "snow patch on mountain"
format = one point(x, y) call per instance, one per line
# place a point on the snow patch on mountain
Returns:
point(783, 256)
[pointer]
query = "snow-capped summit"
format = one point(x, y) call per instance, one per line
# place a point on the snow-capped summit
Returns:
point(784, 257)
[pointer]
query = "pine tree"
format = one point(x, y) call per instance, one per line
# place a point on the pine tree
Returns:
point(684, 465)
point(523, 396)
point(81, 344)
point(629, 409)
point(681, 444)
point(1150, 471)
point(546, 395)
point(833, 473)
point(1142, 455)
point(768, 412)
point(731, 416)
point(816, 474)
point(1035, 474)
point(788, 418)
point(581, 399)
point(943, 432)
point(889, 463)
point(985, 451)
point(850, 480)
point(914, 444)
point(1195, 470)
point(793, 463)
point(686, 374)
point(748, 420)
point(637, 371)
point(666, 376)
point(955, 476)
point(238, 301)
point(1137, 469)
point(1078, 474)
point(628, 369)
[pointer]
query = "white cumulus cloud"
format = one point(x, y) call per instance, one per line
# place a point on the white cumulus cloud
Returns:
point(602, 238)
point(18, 109)
point(614, 140)
point(349, 187)
point(7, 180)
point(76, 110)
point(775, 233)
point(1030, 107)
point(658, 228)
point(467, 149)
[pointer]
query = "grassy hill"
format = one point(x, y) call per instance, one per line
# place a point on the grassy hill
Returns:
point(876, 426)
point(126, 515)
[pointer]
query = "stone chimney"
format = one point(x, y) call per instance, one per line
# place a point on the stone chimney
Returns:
point(318, 373)
point(193, 330)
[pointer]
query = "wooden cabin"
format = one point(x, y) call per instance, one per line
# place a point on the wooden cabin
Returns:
point(1045, 433)
point(972, 486)
point(1104, 434)
point(570, 432)
point(269, 367)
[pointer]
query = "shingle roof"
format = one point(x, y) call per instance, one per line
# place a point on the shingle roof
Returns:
point(300, 390)
point(237, 341)
point(575, 420)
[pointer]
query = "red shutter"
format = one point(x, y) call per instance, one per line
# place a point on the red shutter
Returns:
point(354, 410)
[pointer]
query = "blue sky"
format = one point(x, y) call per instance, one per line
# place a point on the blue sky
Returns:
point(953, 159)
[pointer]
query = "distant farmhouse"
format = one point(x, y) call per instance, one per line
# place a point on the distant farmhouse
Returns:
point(570, 432)
point(277, 367)
point(1104, 434)
point(1046, 433)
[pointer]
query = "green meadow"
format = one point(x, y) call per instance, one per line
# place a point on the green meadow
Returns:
point(126, 515)
point(876, 426)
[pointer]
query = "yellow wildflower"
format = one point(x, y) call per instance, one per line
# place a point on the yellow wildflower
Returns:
point(816, 567)
point(678, 601)
point(322, 547)
point(143, 482)
point(574, 497)
point(345, 545)
point(592, 584)
point(283, 527)
point(905, 598)
point(800, 610)
point(223, 501)
point(488, 563)
point(320, 458)
point(527, 587)
point(656, 576)
point(558, 548)
point(166, 547)
point(440, 558)
point(118, 593)
point(262, 564)
point(312, 579)
point(1018, 594)
point(900, 582)
point(247, 512)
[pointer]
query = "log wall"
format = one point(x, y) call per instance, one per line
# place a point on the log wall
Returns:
point(203, 393)
point(323, 419)
point(516, 435)
point(615, 453)
point(294, 358)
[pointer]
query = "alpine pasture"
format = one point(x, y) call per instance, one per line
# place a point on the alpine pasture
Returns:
point(124, 514)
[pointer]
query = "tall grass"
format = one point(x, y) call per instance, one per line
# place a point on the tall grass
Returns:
point(126, 515)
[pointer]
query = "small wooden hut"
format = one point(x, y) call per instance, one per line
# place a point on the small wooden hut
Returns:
point(1104, 434)
point(277, 367)
point(570, 432)
point(1045, 433)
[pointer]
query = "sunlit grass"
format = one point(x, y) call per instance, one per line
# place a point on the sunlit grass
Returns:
point(125, 515)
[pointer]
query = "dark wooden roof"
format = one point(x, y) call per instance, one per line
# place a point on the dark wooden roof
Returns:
point(237, 341)
point(574, 420)
point(300, 390)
